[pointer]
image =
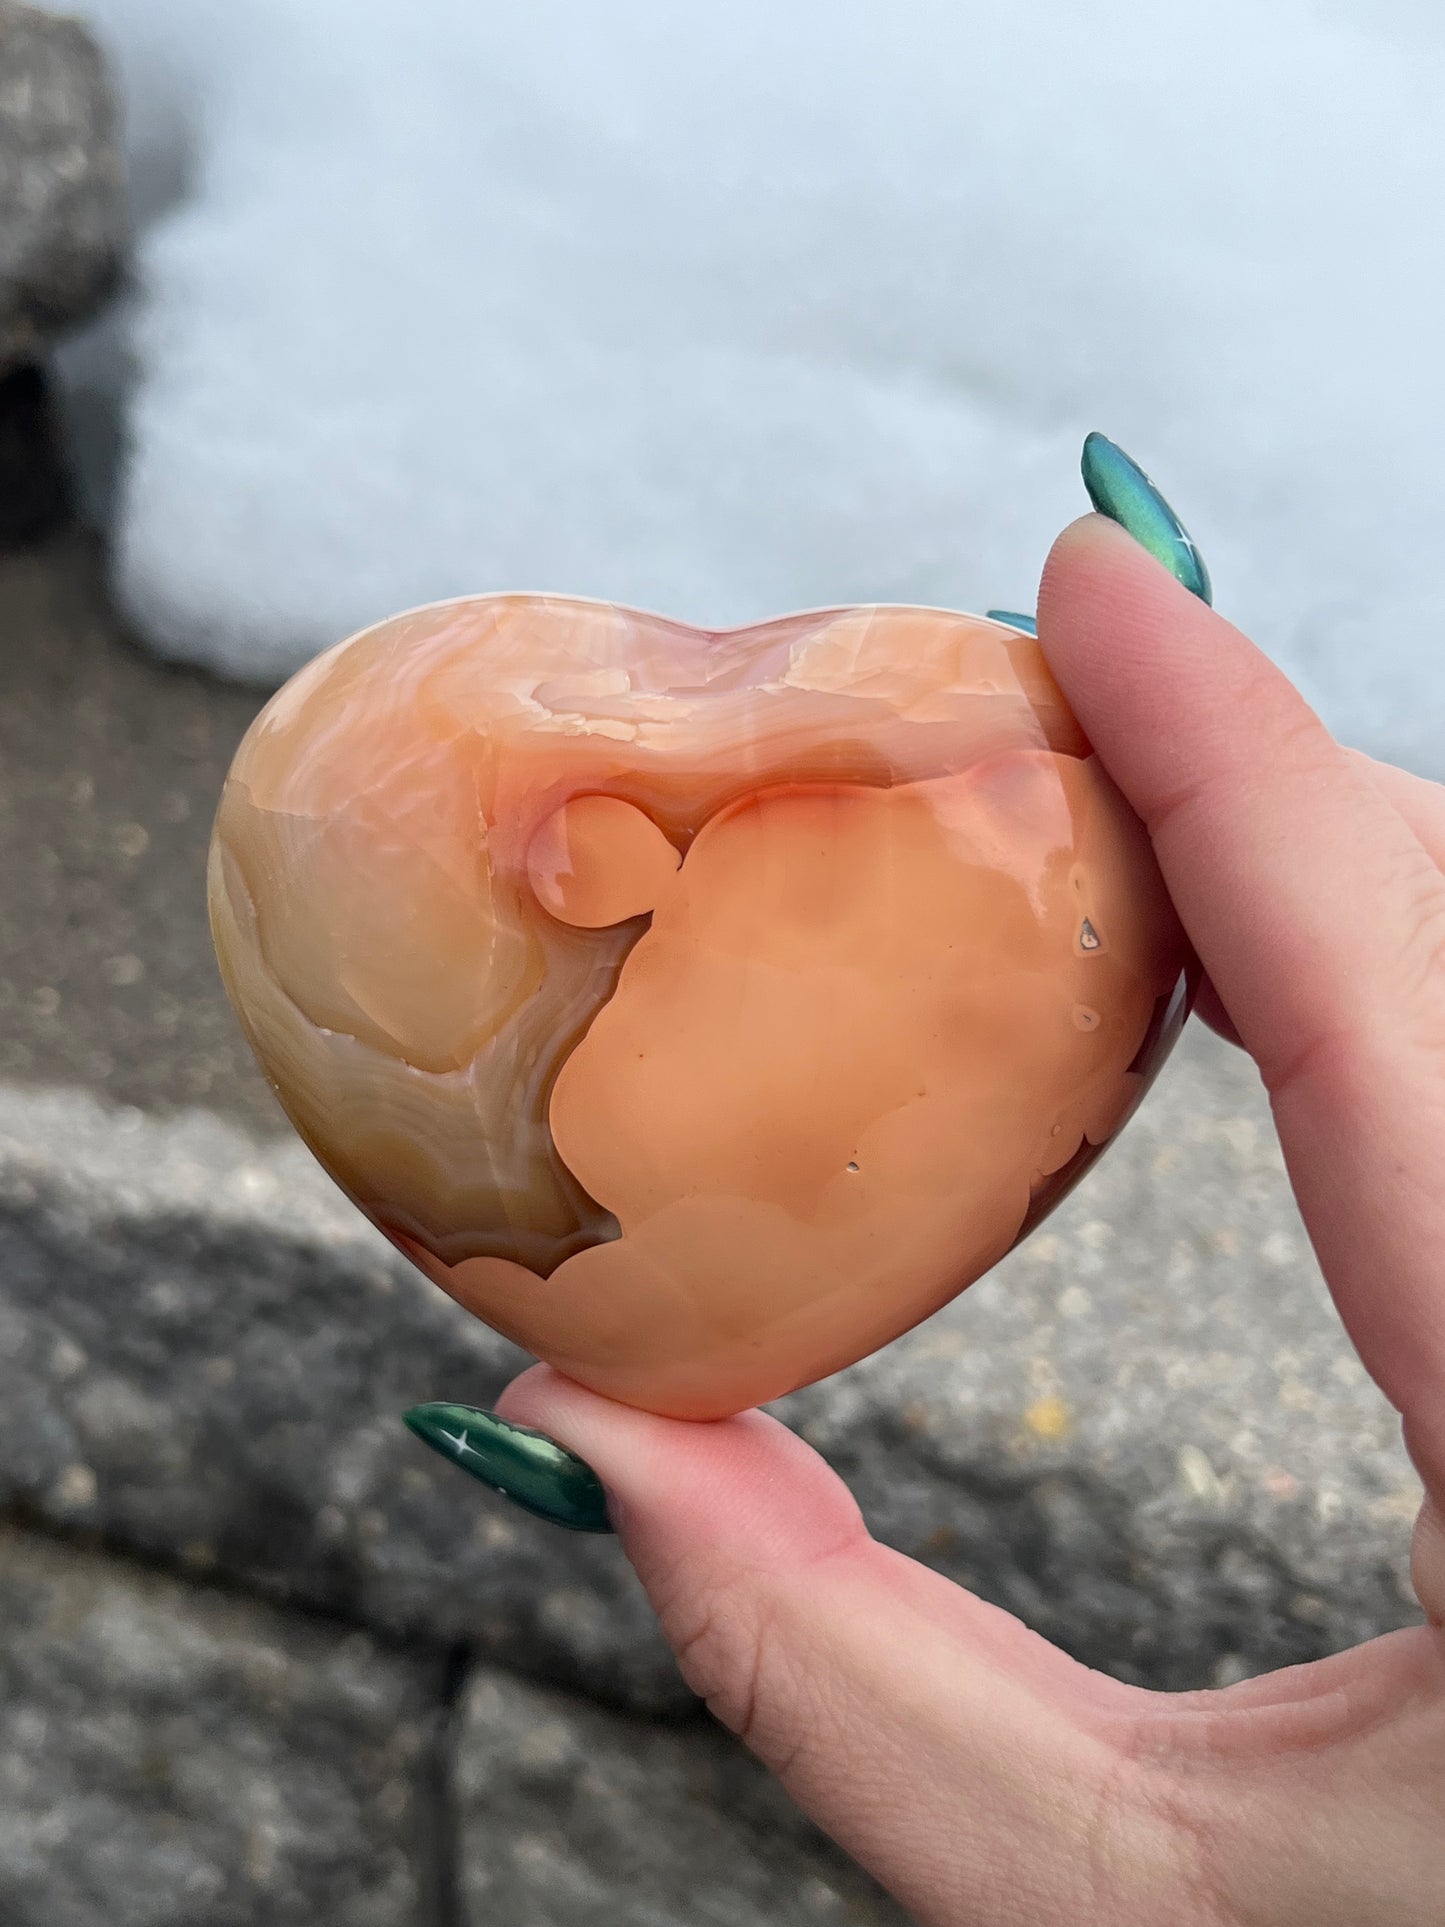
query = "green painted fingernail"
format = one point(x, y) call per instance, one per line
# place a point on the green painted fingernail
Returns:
point(1026, 623)
point(1120, 489)
point(527, 1467)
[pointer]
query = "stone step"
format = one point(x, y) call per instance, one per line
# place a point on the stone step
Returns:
point(1145, 1432)
point(169, 1754)
point(204, 1353)
point(574, 1816)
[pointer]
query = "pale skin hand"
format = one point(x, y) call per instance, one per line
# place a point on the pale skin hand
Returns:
point(984, 1777)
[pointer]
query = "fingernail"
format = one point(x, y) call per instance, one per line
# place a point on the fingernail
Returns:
point(1120, 489)
point(527, 1467)
point(1026, 623)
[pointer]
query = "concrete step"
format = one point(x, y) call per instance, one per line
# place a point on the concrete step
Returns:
point(169, 1754)
point(1145, 1432)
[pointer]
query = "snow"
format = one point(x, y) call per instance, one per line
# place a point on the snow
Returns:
point(731, 310)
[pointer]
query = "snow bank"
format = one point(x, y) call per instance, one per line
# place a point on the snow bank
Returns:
point(730, 310)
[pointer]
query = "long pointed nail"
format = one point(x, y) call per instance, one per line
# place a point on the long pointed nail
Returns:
point(1026, 623)
point(1120, 489)
point(527, 1467)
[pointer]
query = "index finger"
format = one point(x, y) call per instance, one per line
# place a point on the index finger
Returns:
point(1318, 914)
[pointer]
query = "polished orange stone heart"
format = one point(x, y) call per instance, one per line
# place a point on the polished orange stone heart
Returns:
point(701, 1010)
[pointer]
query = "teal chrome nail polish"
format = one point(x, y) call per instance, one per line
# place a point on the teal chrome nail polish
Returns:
point(1026, 623)
point(1120, 489)
point(527, 1467)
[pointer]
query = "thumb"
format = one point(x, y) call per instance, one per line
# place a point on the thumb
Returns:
point(975, 1770)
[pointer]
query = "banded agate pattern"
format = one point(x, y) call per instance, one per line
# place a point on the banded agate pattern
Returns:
point(701, 1010)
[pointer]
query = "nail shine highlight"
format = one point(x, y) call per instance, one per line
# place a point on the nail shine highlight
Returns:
point(527, 1467)
point(1120, 489)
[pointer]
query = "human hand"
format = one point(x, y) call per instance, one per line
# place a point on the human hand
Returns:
point(978, 1772)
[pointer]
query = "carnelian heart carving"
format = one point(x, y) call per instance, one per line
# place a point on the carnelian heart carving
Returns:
point(701, 1010)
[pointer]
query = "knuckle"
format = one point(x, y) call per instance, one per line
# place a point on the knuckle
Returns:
point(1406, 1010)
point(751, 1640)
point(1422, 895)
point(732, 1647)
point(1196, 1850)
point(720, 1641)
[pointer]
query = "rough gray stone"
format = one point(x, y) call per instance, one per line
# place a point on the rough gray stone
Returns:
point(204, 1353)
point(168, 1755)
point(1146, 1432)
point(570, 1816)
point(62, 199)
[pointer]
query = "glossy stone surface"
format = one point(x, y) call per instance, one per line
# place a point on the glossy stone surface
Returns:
point(700, 1010)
